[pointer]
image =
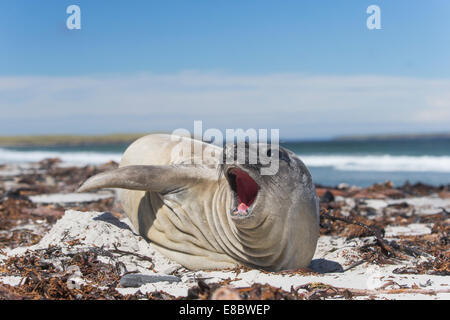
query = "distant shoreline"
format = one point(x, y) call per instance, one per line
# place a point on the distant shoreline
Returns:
point(109, 139)
point(68, 140)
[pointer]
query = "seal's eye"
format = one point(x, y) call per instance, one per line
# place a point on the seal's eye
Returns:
point(281, 155)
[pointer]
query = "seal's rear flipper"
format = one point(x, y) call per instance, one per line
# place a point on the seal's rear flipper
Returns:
point(147, 178)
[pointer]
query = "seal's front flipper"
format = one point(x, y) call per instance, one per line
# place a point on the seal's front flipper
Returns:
point(161, 179)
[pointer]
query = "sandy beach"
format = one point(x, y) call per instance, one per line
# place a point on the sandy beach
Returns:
point(380, 242)
point(226, 118)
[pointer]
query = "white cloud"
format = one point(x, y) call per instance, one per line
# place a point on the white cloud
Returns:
point(344, 104)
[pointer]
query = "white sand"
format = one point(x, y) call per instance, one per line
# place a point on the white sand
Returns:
point(65, 198)
point(332, 256)
point(11, 170)
point(11, 280)
point(413, 229)
point(421, 205)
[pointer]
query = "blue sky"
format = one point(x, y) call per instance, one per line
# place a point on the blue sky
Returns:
point(215, 54)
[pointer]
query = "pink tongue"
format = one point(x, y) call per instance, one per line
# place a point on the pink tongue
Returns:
point(242, 207)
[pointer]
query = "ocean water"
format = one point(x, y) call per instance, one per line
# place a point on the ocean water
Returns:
point(360, 163)
point(363, 163)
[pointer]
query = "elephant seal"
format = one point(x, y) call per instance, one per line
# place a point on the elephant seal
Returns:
point(205, 220)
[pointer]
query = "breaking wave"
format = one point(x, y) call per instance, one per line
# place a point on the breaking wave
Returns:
point(387, 163)
point(81, 157)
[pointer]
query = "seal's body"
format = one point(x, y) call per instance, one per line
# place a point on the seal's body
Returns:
point(203, 220)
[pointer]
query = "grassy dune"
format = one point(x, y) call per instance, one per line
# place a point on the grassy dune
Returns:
point(52, 140)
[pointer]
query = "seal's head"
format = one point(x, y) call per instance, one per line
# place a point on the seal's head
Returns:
point(266, 181)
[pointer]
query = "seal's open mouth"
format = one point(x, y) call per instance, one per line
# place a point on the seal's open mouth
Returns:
point(245, 190)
